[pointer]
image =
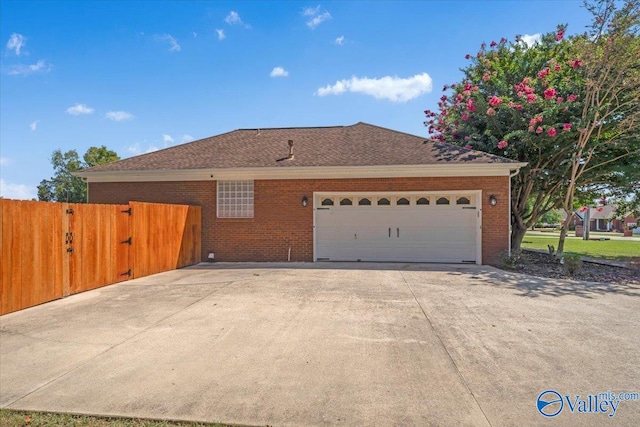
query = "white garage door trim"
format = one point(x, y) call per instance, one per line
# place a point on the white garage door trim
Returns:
point(414, 196)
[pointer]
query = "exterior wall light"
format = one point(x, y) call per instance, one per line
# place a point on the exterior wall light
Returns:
point(493, 200)
point(305, 201)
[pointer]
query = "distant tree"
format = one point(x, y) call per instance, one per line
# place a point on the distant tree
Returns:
point(63, 186)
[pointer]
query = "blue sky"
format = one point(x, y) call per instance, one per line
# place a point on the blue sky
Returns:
point(139, 76)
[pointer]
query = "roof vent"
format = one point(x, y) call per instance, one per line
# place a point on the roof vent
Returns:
point(290, 149)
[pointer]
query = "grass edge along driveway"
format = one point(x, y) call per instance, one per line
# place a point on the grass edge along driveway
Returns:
point(13, 418)
point(621, 250)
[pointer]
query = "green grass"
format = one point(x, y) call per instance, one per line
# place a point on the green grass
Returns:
point(10, 418)
point(622, 250)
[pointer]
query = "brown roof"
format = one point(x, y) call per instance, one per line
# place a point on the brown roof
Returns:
point(361, 144)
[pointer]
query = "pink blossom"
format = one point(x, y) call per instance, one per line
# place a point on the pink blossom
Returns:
point(493, 44)
point(494, 101)
point(518, 107)
point(571, 98)
point(467, 138)
point(502, 144)
point(550, 93)
point(468, 147)
point(557, 68)
point(566, 127)
point(559, 35)
point(534, 121)
point(471, 107)
point(467, 56)
point(464, 117)
point(539, 129)
point(475, 89)
point(576, 63)
point(552, 132)
point(486, 77)
point(559, 100)
point(531, 98)
point(521, 93)
point(503, 40)
point(544, 73)
point(491, 112)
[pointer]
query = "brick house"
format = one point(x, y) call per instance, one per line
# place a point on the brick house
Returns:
point(349, 193)
point(605, 218)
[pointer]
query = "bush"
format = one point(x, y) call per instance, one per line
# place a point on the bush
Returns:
point(572, 263)
point(510, 261)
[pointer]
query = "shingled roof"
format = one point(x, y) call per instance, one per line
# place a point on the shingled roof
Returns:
point(361, 144)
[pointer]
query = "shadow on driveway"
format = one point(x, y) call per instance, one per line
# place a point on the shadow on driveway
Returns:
point(533, 287)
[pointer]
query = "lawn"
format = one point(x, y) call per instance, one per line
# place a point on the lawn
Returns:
point(623, 250)
point(43, 419)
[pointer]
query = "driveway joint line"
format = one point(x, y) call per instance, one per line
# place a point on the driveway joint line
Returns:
point(114, 346)
point(426, 316)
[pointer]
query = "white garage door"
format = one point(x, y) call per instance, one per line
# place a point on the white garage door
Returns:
point(415, 227)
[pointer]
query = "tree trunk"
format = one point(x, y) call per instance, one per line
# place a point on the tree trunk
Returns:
point(563, 232)
point(517, 235)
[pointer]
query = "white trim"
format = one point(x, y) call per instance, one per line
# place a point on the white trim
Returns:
point(317, 195)
point(311, 172)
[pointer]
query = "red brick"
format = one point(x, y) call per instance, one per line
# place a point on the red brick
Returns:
point(280, 222)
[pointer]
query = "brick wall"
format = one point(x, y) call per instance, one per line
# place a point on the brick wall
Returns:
point(280, 222)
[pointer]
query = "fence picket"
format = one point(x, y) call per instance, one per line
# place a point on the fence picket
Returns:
point(35, 238)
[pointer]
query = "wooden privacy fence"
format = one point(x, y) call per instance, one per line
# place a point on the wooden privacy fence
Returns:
point(52, 250)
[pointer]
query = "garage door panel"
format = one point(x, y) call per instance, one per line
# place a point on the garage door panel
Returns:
point(420, 233)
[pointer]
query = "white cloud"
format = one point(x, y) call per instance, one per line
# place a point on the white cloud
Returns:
point(221, 35)
point(279, 72)
point(173, 43)
point(16, 43)
point(4, 161)
point(394, 89)
point(136, 149)
point(339, 40)
point(34, 125)
point(10, 190)
point(118, 116)
point(530, 39)
point(79, 109)
point(195, 35)
point(311, 11)
point(186, 137)
point(233, 18)
point(21, 69)
point(167, 139)
point(318, 19)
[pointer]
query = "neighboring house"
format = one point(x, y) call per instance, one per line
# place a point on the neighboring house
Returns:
point(345, 193)
point(604, 218)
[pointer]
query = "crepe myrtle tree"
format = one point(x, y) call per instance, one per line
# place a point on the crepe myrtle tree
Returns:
point(610, 117)
point(531, 103)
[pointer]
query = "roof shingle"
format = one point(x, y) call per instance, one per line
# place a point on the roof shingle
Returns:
point(361, 144)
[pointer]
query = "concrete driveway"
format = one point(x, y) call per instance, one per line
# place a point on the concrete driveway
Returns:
point(328, 344)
